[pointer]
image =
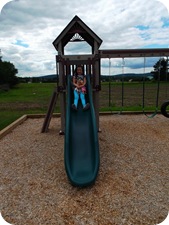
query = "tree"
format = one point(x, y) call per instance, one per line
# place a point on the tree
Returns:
point(161, 70)
point(8, 73)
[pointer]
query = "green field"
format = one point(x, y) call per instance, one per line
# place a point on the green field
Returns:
point(34, 98)
point(28, 98)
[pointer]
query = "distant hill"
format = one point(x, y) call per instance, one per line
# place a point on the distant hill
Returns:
point(51, 76)
point(126, 77)
point(44, 78)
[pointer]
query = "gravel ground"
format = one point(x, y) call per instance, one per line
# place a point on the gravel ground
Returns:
point(132, 187)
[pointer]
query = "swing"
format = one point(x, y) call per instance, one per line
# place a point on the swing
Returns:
point(110, 106)
point(122, 87)
point(157, 96)
point(165, 104)
point(122, 91)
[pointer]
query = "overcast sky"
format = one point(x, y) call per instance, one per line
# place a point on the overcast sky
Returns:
point(28, 28)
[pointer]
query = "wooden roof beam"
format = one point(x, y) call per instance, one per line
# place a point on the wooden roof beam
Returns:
point(127, 53)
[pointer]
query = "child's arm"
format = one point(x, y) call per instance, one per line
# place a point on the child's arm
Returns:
point(75, 82)
point(83, 84)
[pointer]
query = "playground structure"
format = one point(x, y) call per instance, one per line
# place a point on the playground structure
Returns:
point(82, 154)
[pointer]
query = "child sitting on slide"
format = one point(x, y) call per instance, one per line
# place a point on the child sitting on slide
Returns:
point(79, 82)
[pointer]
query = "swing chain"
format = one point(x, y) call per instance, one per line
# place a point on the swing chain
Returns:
point(158, 88)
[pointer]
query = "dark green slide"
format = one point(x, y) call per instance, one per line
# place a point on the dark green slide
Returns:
point(81, 150)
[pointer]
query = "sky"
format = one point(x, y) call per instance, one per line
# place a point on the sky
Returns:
point(28, 28)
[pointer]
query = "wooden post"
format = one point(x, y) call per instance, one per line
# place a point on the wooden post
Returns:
point(96, 73)
point(62, 91)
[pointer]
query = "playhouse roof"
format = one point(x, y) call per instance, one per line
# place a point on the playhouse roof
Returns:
point(77, 30)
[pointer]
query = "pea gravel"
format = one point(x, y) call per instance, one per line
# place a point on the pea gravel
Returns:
point(132, 187)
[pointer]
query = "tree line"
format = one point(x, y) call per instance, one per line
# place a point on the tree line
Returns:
point(8, 73)
point(160, 71)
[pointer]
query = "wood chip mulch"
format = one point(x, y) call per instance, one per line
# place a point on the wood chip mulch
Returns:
point(132, 187)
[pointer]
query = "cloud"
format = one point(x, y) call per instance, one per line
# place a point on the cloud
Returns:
point(28, 29)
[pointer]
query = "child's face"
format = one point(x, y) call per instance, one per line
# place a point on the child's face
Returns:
point(79, 70)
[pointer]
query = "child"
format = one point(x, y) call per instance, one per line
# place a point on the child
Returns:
point(79, 81)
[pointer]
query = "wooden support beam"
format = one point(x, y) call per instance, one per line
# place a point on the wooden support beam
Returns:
point(49, 112)
point(127, 53)
point(75, 59)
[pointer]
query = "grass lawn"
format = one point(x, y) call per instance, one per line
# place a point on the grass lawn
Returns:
point(34, 98)
point(28, 98)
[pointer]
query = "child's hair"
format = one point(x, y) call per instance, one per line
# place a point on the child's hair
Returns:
point(81, 66)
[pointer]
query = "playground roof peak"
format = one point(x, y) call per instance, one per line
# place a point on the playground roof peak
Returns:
point(77, 31)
